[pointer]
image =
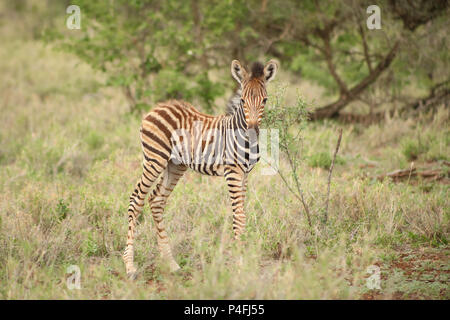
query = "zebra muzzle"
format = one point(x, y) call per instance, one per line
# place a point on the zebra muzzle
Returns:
point(253, 129)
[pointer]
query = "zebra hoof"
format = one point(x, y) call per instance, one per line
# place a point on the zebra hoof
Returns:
point(174, 267)
point(132, 275)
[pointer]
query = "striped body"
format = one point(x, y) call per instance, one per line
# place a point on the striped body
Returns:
point(207, 144)
point(175, 136)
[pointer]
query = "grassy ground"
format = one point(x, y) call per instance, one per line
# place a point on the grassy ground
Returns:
point(69, 158)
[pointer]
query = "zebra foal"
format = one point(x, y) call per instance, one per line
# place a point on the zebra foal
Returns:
point(175, 136)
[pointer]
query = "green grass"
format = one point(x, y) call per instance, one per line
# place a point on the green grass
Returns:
point(70, 156)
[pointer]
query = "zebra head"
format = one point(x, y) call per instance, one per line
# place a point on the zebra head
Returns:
point(253, 88)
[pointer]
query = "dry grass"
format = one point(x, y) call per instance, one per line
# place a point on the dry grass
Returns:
point(70, 155)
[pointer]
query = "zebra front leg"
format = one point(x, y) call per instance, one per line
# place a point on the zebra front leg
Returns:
point(237, 185)
point(158, 201)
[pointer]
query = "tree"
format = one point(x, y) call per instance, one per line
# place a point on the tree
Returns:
point(157, 50)
point(153, 50)
point(327, 42)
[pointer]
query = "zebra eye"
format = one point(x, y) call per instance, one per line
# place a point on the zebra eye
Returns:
point(264, 101)
point(242, 102)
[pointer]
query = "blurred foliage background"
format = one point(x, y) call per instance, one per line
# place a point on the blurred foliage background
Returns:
point(156, 50)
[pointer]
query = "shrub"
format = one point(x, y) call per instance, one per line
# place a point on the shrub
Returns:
point(323, 160)
point(413, 148)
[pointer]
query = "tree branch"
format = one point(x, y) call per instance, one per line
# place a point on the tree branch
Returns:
point(325, 218)
point(325, 34)
point(332, 110)
point(365, 47)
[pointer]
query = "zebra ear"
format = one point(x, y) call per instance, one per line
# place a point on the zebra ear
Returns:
point(270, 70)
point(237, 71)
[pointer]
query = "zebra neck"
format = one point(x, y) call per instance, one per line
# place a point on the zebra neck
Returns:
point(234, 102)
point(237, 119)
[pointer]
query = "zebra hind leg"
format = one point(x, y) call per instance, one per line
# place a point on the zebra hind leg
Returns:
point(158, 201)
point(137, 198)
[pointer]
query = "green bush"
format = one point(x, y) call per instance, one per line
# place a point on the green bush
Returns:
point(323, 160)
point(94, 140)
point(62, 209)
point(413, 148)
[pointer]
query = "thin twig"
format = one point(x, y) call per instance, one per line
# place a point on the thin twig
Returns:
point(299, 196)
point(299, 188)
point(410, 171)
point(329, 176)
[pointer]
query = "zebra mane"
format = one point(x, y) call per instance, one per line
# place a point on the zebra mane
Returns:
point(234, 102)
point(257, 70)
